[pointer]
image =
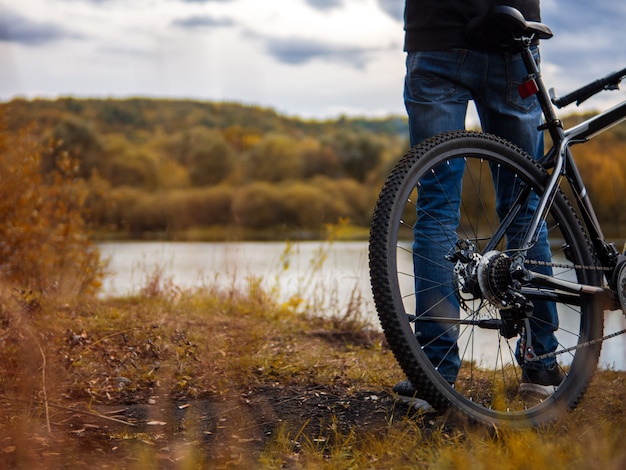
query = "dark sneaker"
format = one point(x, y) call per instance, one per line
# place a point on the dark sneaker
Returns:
point(541, 382)
point(406, 395)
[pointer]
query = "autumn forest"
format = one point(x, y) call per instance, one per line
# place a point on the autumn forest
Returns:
point(187, 169)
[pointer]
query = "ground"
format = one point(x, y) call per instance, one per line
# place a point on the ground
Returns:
point(231, 427)
point(153, 383)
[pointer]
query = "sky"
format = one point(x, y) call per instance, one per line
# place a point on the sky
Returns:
point(306, 58)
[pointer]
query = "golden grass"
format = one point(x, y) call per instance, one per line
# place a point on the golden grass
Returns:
point(234, 379)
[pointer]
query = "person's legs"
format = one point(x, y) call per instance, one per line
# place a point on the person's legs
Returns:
point(438, 87)
point(436, 102)
point(505, 113)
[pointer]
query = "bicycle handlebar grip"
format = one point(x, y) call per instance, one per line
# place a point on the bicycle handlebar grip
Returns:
point(610, 81)
point(581, 94)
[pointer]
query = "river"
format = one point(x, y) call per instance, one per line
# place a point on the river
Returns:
point(331, 271)
point(327, 275)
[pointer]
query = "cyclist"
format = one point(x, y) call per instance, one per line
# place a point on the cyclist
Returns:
point(444, 71)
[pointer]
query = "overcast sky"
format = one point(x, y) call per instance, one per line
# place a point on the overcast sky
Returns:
point(308, 58)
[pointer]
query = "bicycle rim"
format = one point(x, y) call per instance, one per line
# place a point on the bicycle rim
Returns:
point(488, 385)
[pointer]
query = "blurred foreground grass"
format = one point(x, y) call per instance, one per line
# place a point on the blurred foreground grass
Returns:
point(234, 379)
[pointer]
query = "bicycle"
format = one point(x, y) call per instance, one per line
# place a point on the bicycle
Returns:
point(496, 285)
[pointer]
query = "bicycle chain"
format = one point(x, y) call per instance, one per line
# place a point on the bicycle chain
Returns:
point(578, 346)
point(582, 345)
point(566, 266)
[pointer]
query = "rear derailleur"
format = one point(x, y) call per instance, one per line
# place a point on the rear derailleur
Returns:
point(489, 276)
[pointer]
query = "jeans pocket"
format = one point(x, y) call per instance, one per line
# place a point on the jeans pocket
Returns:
point(516, 74)
point(431, 76)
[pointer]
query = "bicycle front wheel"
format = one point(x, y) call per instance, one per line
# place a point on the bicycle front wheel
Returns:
point(487, 387)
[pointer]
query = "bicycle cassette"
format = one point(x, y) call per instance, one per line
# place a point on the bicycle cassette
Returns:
point(497, 285)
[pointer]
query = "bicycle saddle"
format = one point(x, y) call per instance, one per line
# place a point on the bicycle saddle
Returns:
point(500, 26)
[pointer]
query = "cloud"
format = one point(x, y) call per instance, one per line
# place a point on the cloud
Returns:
point(569, 14)
point(206, 1)
point(324, 4)
point(93, 1)
point(588, 39)
point(19, 29)
point(298, 51)
point(125, 48)
point(202, 21)
point(393, 8)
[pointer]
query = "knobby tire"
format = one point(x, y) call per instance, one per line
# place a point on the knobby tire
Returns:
point(487, 389)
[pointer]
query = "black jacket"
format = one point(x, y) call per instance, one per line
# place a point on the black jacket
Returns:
point(440, 24)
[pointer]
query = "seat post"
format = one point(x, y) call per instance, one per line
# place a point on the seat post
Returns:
point(552, 122)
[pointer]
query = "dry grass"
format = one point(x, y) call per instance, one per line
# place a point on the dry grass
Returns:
point(225, 378)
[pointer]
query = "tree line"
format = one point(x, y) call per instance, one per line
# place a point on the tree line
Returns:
point(169, 166)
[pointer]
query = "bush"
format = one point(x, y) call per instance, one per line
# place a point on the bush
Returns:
point(276, 158)
point(356, 197)
point(211, 206)
point(43, 236)
point(258, 205)
point(197, 207)
point(308, 206)
point(132, 170)
point(139, 211)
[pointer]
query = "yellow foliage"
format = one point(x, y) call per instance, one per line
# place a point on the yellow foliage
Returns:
point(43, 237)
point(604, 171)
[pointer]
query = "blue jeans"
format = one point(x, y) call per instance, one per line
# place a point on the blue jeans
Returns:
point(438, 88)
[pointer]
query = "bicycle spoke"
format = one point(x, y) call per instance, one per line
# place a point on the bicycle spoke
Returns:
point(430, 294)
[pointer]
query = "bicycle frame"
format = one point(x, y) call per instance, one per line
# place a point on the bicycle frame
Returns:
point(582, 133)
point(559, 159)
